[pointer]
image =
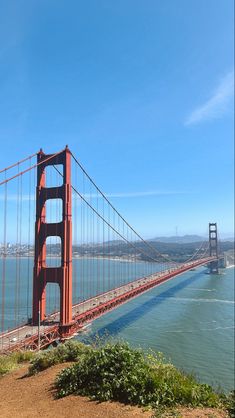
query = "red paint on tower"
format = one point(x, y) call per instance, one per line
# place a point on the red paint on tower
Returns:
point(42, 273)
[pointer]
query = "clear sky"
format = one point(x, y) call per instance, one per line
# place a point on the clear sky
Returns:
point(140, 90)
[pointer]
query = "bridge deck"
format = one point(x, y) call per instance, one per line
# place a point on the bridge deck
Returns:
point(26, 336)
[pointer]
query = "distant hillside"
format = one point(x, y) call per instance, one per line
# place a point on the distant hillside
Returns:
point(231, 239)
point(185, 239)
point(176, 251)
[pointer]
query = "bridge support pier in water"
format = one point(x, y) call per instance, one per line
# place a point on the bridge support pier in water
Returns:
point(42, 273)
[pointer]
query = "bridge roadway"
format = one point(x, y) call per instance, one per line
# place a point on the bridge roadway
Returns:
point(26, 336)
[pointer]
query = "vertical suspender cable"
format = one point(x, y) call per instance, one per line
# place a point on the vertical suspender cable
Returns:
point(49, 258)
point(75, 242)
point(82, 239)
point(20, 255)
point(103, 261)
point(119, 254)
point(123, 233)
point(109, 249)
point(4, 257)
point(58, 264)
point(87, 246)
point(114, 262)
point(29, 236)
point(97, 241)
point(90, 242)
point(17, 254)
point(94, 275)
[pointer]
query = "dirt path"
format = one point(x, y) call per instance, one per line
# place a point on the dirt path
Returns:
point(32, 397)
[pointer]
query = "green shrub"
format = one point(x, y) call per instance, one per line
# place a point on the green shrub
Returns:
point(70, 351)
point(229, 403)
point(11, 361)
point(23, 356)
point(6, 364)
point(117, 372)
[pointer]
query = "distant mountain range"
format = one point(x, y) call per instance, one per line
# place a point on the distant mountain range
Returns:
point(179, 240)
point(185, 239)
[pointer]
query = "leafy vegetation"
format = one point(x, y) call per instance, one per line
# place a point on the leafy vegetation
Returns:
point(11, 361)
point(117, 372)
point(114, 371)
point(229, 403)
point(70, 351)
point(166, 412)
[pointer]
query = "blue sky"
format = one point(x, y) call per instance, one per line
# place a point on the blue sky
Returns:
point(142, 91)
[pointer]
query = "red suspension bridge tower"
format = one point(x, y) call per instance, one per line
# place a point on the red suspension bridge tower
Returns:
point(43, 274)
point(213, 246)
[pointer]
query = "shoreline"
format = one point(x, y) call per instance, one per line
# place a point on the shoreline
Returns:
point(120, 259)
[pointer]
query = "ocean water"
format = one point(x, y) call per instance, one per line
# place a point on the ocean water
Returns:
point(190, 319)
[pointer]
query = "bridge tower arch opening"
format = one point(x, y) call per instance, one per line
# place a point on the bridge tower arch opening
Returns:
point(43, 274)
point(213, 247)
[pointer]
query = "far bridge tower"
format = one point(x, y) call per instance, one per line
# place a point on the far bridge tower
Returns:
point(213, 246)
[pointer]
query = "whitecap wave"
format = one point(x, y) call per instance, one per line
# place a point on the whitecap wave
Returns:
point(202, 300)
point(204, 290)
point(199, 329)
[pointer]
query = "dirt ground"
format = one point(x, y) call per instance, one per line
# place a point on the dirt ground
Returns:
point(32, 397)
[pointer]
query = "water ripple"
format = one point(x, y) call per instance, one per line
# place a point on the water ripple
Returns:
point(202, 300)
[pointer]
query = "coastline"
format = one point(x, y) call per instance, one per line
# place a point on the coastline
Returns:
point(120, 259)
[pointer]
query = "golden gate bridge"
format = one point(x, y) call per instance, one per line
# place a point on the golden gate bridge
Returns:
point(74, 221)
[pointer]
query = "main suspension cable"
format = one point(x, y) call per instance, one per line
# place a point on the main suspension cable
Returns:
point(30, 168)
point(18, 162)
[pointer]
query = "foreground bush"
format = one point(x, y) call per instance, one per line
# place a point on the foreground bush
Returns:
point(11, 361)
point(229, 403)
point(117, 372)
point(70, 351)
